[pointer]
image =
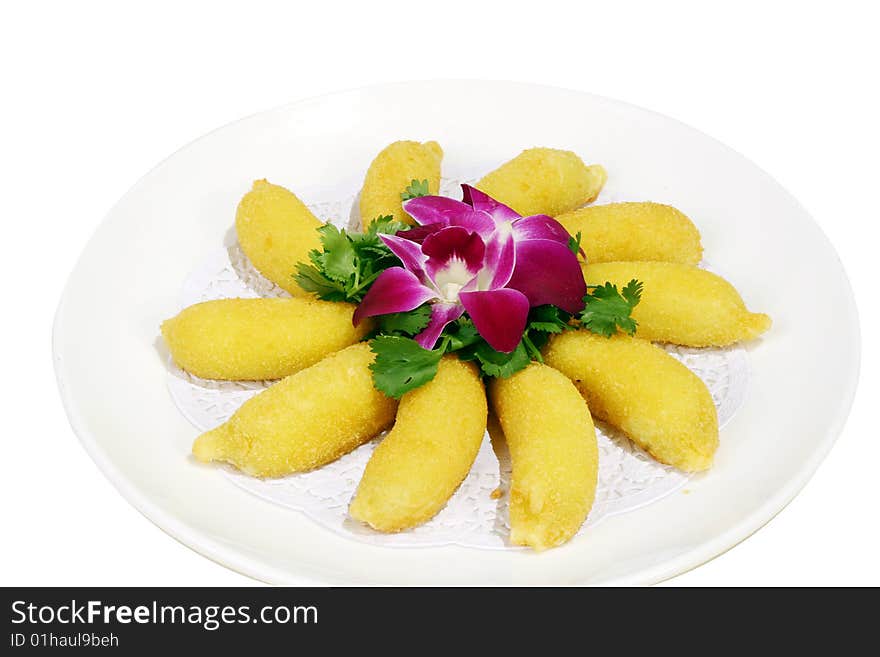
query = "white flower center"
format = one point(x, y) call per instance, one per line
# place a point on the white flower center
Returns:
point(451, 279)
point(450, 291)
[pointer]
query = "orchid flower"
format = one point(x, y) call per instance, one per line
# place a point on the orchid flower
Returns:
point(546, 270)
point(455, 271)
point(476, 256)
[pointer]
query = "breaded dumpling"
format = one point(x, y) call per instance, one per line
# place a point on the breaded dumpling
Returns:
point(423, 459)
point(392, 171)
point(553, 451)
point(634, 231)
point(255, 339)
point(683, 304)
point(636, 386)
point(304, 421)
point(544, 181)
point(276, 231)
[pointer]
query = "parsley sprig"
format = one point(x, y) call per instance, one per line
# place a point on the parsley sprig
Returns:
point(607, 309)
point(415, 189)
point(401, 364)
point(407, 323)
point(348, 263)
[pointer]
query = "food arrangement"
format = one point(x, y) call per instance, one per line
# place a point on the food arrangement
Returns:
point(515, 299)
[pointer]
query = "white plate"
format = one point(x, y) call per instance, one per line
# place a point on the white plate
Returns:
point(111, 366)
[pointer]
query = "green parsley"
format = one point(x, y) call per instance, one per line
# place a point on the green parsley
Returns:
point(607, 309)
point(348, 263)
point(574, 243)
point(543, 321)
point(402, 364)
point(461, 334)
point(408, 323)
point(548, 319)
point(415, 190)
point(497, 363)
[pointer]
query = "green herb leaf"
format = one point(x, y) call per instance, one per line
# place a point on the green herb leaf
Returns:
point(462, 334)
point(401, 364)
point(312, 280)
point(497, 363)
point(574, 243)
point(415, 190)
point(533, 346)
point(408, 323)
point(548, 319)
point(338, 259)
point(535, 341)
point(607, 309)
point(384, 225)
point(348, 263)
point(632, 292)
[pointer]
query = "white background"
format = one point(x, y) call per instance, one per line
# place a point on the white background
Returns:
point(93, 94)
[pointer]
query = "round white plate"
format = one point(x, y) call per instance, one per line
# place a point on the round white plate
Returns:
point(110, 361)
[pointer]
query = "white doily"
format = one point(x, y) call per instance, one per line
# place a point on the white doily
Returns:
point(474, 517)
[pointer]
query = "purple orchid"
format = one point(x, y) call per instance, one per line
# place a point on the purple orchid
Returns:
point(451, 269)
point(476, 256)
point(546, 270)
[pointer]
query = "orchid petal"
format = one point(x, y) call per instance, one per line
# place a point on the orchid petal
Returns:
point(540, 227)
point(441, 315)
point(498, 315)
point(548, 272)
point(482, 202)
point(410, 254)
point(396, 290)
point(499, 260)
point(419, 233)
point(448, 212)
point(453, 253)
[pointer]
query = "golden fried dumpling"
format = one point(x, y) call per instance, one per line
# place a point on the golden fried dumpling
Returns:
point(544, 181)
point(254, 339)
point(392, 171)
point(636, 386)
point(683, 304)
point(304, 421)
point(276, 231)
point(553, 451)
point(421, 462)
point(634, 231)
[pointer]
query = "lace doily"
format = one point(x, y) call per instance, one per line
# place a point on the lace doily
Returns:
point(476, 516)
